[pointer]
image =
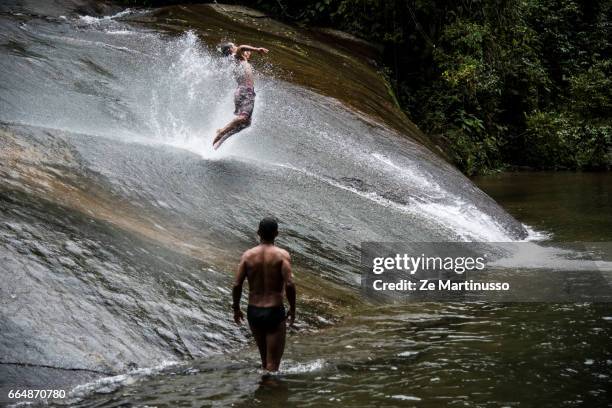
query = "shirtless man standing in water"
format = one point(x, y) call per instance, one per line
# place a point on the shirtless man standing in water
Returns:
point(244, 97)
point(268, 270)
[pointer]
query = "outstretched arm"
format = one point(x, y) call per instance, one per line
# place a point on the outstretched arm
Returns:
point(289, 288)
point(237, 291)
point(243, 48)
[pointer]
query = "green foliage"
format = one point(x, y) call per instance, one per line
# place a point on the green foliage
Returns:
point(556, 140)
point(548, 142)
point(591, 90)
point(593, 147)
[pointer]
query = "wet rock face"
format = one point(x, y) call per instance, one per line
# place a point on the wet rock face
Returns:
point(78, 294)
point(57, 8)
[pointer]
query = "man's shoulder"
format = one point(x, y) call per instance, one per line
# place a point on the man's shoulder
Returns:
point(283, 252)
point(250, 252)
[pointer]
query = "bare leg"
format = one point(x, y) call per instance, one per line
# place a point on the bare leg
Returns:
point(236, 125)
point(275, 344)
point(260, 338)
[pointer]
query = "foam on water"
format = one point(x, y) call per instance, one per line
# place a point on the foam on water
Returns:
point(89, 20)
point(534, 235)
point(107, 385)
point(300, 368)
point(403, 397)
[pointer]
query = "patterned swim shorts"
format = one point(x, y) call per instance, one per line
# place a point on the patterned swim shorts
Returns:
point(244, 101)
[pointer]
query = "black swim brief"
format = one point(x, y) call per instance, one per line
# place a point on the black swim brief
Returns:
point(244, 101)
point(265, 317)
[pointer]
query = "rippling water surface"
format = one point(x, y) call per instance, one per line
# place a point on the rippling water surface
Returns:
point(423, 355)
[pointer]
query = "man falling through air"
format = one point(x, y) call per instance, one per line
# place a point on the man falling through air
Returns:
point(244, 97)
point(268, 270)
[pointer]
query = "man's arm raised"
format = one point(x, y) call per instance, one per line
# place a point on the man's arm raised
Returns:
point(243, 48)
point(237, 290)
point(289, 287)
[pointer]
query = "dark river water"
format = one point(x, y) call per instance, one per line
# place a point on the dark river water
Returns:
point(574, 206)
point(120, 227)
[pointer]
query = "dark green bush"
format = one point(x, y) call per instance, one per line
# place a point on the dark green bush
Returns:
point(556, 140)
point(591, 91)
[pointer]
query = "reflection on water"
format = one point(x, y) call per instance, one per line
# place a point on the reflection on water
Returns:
point(271, 391)
point(574, 206)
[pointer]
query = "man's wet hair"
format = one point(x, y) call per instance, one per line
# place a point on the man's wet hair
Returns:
point(226, 48)
point(268, 228)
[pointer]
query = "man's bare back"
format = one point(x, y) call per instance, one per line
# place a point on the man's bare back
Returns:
point(264, 269)
point(268, 271)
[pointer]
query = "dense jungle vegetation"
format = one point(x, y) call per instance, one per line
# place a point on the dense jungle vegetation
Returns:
point(498, 83)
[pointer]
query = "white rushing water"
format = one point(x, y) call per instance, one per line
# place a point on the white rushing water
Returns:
point(109, 79)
